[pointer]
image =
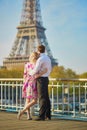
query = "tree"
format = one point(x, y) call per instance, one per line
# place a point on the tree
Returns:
point(58, 72)
point(71, 74)
point(14, 73)
point(61, 72)
point(84, 75)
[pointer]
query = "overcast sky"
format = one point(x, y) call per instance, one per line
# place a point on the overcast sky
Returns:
point(66, 24)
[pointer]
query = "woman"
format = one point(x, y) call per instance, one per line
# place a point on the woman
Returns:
point(29, 90)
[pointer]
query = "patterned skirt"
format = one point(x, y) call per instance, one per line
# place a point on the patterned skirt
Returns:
point(30, 91)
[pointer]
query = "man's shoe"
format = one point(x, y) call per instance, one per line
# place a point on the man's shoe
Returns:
point(39, 119)
point(29, 118)
point(48, 118)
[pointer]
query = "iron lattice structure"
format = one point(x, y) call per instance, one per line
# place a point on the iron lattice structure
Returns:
point(31, 33)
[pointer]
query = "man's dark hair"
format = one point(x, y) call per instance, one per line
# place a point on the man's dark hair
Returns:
point(41, 48)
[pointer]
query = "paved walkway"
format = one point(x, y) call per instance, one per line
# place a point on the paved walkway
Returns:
point(8, 121)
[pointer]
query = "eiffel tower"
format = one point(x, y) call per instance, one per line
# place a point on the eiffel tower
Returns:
point(31, 33)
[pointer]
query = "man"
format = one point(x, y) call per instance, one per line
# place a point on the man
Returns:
point(42, 84)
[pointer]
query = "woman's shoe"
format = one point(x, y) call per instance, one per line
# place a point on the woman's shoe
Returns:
point(19, 115)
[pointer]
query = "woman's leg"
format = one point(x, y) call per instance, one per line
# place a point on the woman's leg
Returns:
point(31, 103)
point(28, 110)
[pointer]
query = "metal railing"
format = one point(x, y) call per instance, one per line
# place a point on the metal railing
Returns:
point(68, 96)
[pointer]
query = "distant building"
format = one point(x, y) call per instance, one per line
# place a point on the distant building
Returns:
point(31, 33)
